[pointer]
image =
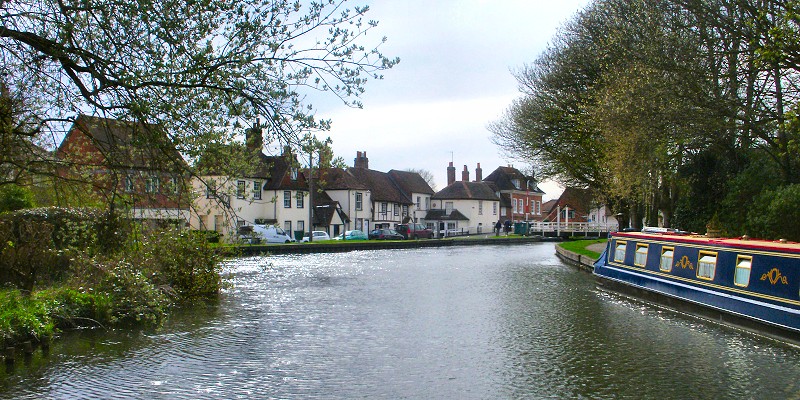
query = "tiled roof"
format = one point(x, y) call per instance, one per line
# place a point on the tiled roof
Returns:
point(503, 176)
point(461, 190)
point(381, 185)
point(441, 215)
point(274, 170)
point(410, 182)
point(126, 144)
point(337, 179)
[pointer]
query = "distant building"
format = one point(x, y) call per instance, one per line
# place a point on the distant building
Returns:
point(464, 206)
point(131, 164)
point(520, 196)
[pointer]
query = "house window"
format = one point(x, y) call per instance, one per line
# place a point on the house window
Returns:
point(240, 188)
point(418, 201)
point(256, 190)
point(128, 184)
point(494, 208)
point(667, 255)
point(538, 208)
point(396, 210)
point(515, 182)
point(514, 205)
point(640, 258)
point(480, 207)
point(427, 203)
point(448, 207)
point(359, 202)
point(287, 199)
point(743, 266)
point(287, 226)
point(294, 173)
point(151, 184)
point(300, 202)
point(405, 210)
point(301, 226)
point(706, 265)
point(619, 252)
point(383, 208)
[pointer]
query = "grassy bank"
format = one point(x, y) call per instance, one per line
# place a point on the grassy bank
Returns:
point(580, 247)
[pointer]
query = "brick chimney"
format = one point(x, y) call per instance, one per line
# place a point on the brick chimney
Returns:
point(254, 139)
point(465, 174)
point(451, 174)
point(361, 160)
point(478, 173)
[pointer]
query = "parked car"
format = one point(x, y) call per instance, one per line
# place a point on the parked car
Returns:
point(352, 235)
point(318, 235)
point(255, 234)
point(385, 234)
point(414, 231)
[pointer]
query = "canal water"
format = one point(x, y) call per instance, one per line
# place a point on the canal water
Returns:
point(480, 322)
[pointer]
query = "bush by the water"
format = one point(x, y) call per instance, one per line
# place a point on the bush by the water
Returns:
point(65, 268)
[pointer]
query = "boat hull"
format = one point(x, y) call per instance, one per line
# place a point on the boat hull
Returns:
point(768, 310)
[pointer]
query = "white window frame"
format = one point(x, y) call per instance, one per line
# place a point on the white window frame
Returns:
point(300, 199)
point(241, 187)
point(287, 199)
point(256, 190)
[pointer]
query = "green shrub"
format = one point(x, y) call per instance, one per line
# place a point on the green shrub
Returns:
point(23, 319)
point(181, 260)
point(134, 299)
point(14, 197)
point(72, 308)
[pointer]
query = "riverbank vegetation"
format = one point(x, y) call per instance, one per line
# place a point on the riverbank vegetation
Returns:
point(67, 268)
point(671, 111)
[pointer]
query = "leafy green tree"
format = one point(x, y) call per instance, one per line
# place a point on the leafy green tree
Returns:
point(14, 197)
point(201, 71)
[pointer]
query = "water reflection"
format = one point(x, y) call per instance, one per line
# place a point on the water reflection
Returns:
point(472, 322)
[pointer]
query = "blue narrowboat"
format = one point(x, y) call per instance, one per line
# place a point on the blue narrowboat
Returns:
point(752, 284)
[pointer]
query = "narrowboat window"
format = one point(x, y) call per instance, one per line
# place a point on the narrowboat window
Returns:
point(667, 255)
point(742, 275)
point(706, 265)
point(640, 259)
point(619, 252)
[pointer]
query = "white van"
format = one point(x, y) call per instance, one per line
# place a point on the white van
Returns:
point(264, 234)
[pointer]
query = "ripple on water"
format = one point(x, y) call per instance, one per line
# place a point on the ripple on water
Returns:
point(472, 322)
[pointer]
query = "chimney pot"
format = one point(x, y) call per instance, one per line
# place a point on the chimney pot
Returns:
point(451, 174)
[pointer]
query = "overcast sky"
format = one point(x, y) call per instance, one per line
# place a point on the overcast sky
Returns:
point(453, 80)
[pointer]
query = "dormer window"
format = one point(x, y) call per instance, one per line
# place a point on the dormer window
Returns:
point(515, 182)
point(293, 173)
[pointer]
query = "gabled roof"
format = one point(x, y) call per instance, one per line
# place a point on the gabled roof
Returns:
point(460, 190)
point(325, 208)
point(503, 177)
point(381, 185)
point(124, 144)
point(442, 215)
point(410, 182)
point(275, 171)
point(576, 199)
point(337, 179)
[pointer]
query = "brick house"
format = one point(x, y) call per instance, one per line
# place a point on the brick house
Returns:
point(131, 165)
point(520, 196)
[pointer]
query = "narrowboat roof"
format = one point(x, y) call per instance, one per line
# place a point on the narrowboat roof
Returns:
point(743, 243)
